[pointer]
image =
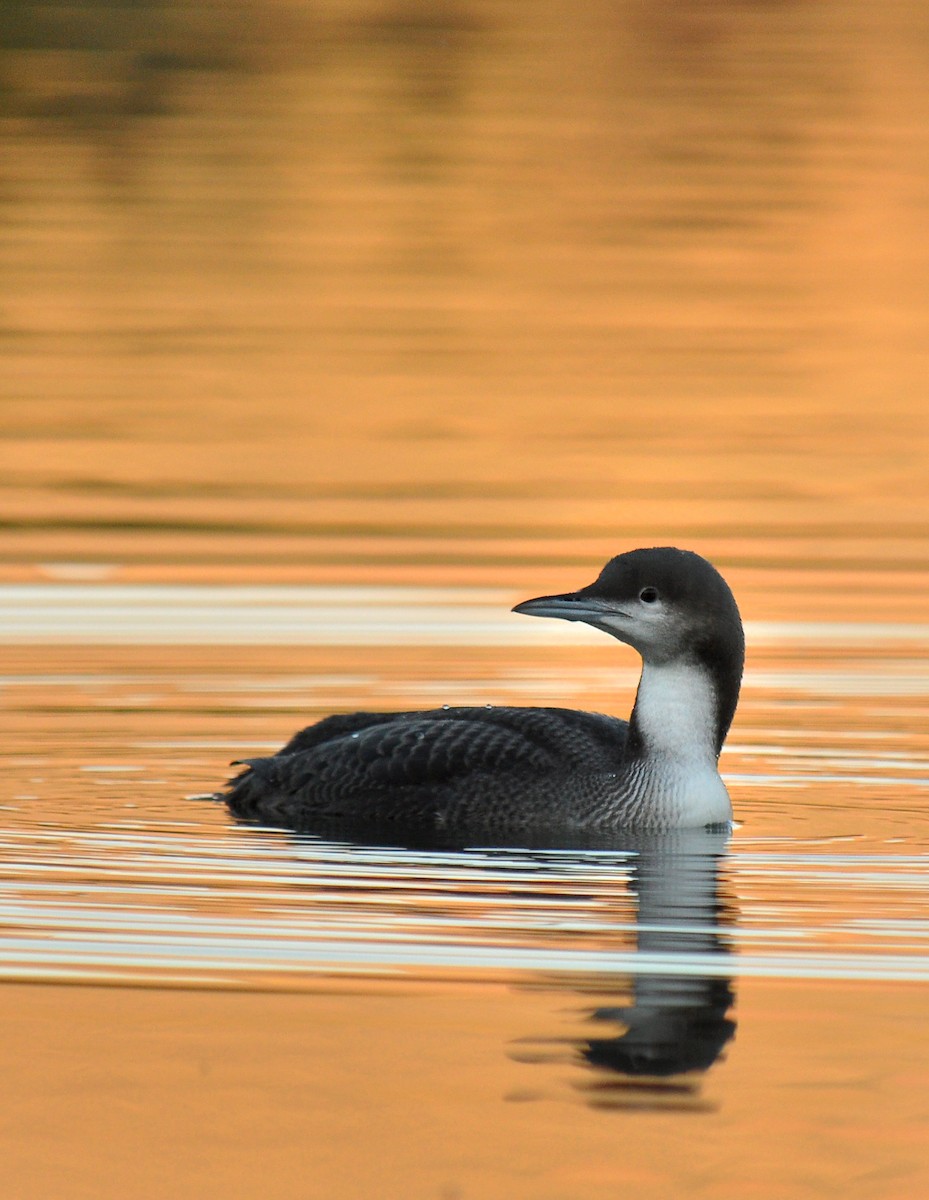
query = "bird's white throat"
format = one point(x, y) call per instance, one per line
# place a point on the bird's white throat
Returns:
point(676, 713)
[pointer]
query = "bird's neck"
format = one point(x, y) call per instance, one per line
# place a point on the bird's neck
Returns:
point(676, 715)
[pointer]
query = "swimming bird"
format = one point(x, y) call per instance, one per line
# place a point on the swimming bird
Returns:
point(514, 771)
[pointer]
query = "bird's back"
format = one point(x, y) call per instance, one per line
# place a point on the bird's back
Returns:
point(440, 768)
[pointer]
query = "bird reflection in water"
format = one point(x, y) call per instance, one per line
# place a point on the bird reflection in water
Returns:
point(675, 1020)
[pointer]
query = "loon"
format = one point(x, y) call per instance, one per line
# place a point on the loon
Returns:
point(517, 771)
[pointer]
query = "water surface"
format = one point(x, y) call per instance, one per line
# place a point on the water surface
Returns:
point(516, 1000)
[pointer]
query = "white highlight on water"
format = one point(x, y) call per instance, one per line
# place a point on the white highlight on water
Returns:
point(283, 615)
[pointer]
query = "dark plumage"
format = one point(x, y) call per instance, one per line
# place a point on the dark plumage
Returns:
point(509, 770)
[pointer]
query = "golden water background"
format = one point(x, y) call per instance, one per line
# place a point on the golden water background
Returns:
point(413, 289)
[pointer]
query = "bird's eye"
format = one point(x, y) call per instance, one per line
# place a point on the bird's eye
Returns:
point(648, 595)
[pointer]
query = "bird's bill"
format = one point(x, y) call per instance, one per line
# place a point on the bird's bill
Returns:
point(572, 606)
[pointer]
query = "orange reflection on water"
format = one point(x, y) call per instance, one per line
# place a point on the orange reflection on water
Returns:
point(400, 288)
